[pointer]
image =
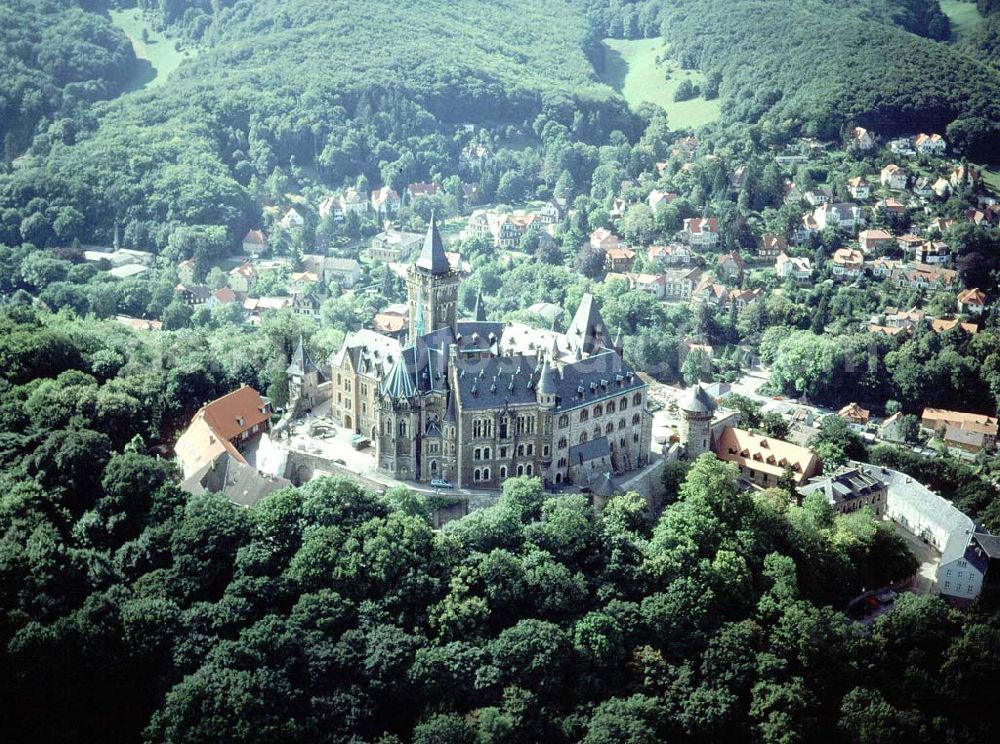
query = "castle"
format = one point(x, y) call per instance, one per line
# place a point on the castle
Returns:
point(477, 401)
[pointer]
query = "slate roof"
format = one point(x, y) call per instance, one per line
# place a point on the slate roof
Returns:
point(432, 257)
point(590, 450)
point(588, 332)
point(486, 384)
point(696, 400)
point(301, 364)
point(844, 486)
point(240, 483)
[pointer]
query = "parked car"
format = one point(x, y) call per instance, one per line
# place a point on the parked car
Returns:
point(440, 483)
point(339, 461)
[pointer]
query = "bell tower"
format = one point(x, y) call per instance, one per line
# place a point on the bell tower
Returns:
point(431, 288)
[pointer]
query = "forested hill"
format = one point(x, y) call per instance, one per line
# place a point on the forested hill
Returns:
point(344, 86)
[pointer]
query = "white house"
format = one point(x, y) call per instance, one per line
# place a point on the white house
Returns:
point(292, 219)
point(893, 177)
point(701, 231)
point(862, 139)
point(840, 216)
point(798, 269)
point(930, 144)
point(859, 188)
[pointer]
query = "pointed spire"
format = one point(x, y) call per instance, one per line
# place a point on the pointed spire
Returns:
point(547, 384)
point(587, 332)
point(432, 258)
point(399, 382)
point(480, 313)
point(301, 363)
point(619, 341)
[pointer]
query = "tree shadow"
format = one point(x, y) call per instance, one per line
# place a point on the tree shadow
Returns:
point(143, 74)
point(615, 68)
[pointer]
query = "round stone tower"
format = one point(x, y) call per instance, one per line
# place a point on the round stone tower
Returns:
point(697, 408)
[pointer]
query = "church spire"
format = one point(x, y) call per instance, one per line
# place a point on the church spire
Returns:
point(480, 312)
point(432, 257)
point(418, 320)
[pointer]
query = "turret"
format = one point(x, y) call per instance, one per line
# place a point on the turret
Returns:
point(697, 409)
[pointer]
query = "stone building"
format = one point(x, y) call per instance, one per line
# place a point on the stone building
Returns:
point(478, 401)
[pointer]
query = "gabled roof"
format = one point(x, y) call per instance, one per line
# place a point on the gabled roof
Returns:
point(588, 332)
point(399, 383)
point(301, 364)
point(432, 256)
point(233, 478)
point(593, 449)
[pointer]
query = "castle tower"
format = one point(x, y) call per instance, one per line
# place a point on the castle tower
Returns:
point(697, 408)
point(431, 288)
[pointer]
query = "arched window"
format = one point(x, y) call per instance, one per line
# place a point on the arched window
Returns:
point(622, 441)
point(487, 453)
point(597, 432)
point(563, 421)
point(583, 437)
point(434, 466)
point(637, 399)
point(477, 454)
point(503, 472)
point(520, 470)
point(635, 437)
point(611, 406)
point(520, 450)
point(623, 404)
point(584, 414)
point(635, 418)
point(621, 424)
point(609, 428)
point(598, 410)
point(486, 474)
point(477, 474)
point(402, 428)
point(527, 469)
point(562, 443)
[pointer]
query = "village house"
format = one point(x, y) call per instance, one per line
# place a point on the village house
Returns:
point(894, 177)
point(859, 188)
point(934, 252)
point(385, 201)
point(254, 243)
point(657, 197)
point(923, 187)
point(819, 195)
point(619, 259)
point(845, 217)
point(793, 195)
point(972, 301)
point(673, 254)
point(712, 293)
point(351, 201)
point(552, 211)
point(345, 272)
point(292, 220)
point(972, 432)
point(964, 177)
point(471, 193)
point(305, 304)
point(744, 298)
point(193, 295)
point(902, 146)
point(941, 188)
point(939, 226)
point(873, 240)
point(862, 139)
point(896, 318)
point(908, 243)
point(420, 190)
point(223, 426)
point(882, 267)
point(891, 207)
point(730, 267)
point(702, 232)
point(652, 284)
point(771, 245)
point(256, 307)
point(807, 229)
point(797, 269)
point(242, 278)
point(476, 155)
point(923, 277)
point(943, 325)
point(856, 417)
point(847, 263)
point(225, 296)
point(679, 284)
point(847, 491)
point(929, 144)
point(393, 246)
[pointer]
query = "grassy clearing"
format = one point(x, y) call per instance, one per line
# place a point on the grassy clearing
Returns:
point(991, 177)
point(631, 68)
point(155, 48)
point(963, 16)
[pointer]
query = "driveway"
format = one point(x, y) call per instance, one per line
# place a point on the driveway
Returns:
point(925, 581)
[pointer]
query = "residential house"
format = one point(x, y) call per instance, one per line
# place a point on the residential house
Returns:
point(225, 296)
point(909, 242)
point(772, 246)
point(972, 301)
point(862, 139)
point(679, 284)
point(547, 311)
point(701, 231)
point(819, 195)
point(385, 201)
point(127, 271)
point(240, 483)
point(847, 263)
point(765, 461)
point(552, 212)
point(855, 416)
point(873, 240)
point(393, 246)
point(711, 293)
point(943, 325)
point(934, 252)
point(894, 177)
point(923, 187)
point(420, 190)
point(242, 278)
point(859, 188)
point(882, 267)
point(807, 229)
point(657, 197)
point(604, 238)
point(256, 307)
point(895, 318)
point(222, 426)
point(939, 226)
point(304, 281)
point(185, 271)
point(962, 176)
point(942, 188)
point(305, 304)
point(848, 490)
point(737, 178)
point(793, 194)
point(476, 155)
point(798, 269)
point(352, 201)
point(972, 432)
point(193, 295)
point(673, 254)
point(254, 243)
point(924, 277)
point(929, 144)
point(744, 298)
point(619, 259)
point(890, 206)
point(292, 220)
point(345, 272)
point(902, 146)
point(731, 266)
point(618, 207)
point(471, 193)
point(890, 431)
point(846, 217)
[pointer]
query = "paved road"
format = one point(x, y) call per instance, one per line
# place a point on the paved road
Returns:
point(925, 582)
